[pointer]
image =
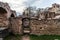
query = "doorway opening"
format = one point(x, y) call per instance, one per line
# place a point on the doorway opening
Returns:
point(2, 10)
point(12, 15)
point(26, 25)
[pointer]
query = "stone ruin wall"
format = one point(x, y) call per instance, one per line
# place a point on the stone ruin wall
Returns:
point(4, 14)
point(6, 7)
point(16, 25)
point(41, 27)
point(38, 27)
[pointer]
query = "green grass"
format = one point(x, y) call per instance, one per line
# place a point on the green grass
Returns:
point(44, 37)
point(33, 37)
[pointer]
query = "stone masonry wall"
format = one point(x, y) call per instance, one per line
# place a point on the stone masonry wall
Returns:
point(38, 27)
point(3, 20)
point(4, 14)
point(16, 25)
point(41, 27)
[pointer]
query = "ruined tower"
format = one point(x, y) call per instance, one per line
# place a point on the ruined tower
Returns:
point(5, 13)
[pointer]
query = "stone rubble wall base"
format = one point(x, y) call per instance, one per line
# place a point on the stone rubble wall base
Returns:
point(49, 27)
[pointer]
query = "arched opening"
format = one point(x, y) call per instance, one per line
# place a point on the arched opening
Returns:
point(25, 22)
point(2, 10)
point(12, 15)
point(3, 13)
point(26, 25)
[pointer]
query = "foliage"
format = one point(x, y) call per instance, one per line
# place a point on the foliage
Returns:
point(45, 37)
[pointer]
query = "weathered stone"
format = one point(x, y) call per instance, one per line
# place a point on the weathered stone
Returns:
point(44, 28)
point(16, 25)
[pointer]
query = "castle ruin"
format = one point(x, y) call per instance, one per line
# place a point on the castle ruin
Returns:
point(44, 22)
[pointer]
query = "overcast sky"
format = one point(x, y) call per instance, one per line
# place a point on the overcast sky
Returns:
point(20, 5)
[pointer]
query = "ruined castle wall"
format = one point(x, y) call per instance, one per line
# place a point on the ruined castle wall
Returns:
point(6, 7)
point(4, 13)
point(4, 22)
point(16, 25)
point(41, 27)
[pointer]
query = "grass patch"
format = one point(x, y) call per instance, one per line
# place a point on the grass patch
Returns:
point(45, 37)
point(33, 37)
